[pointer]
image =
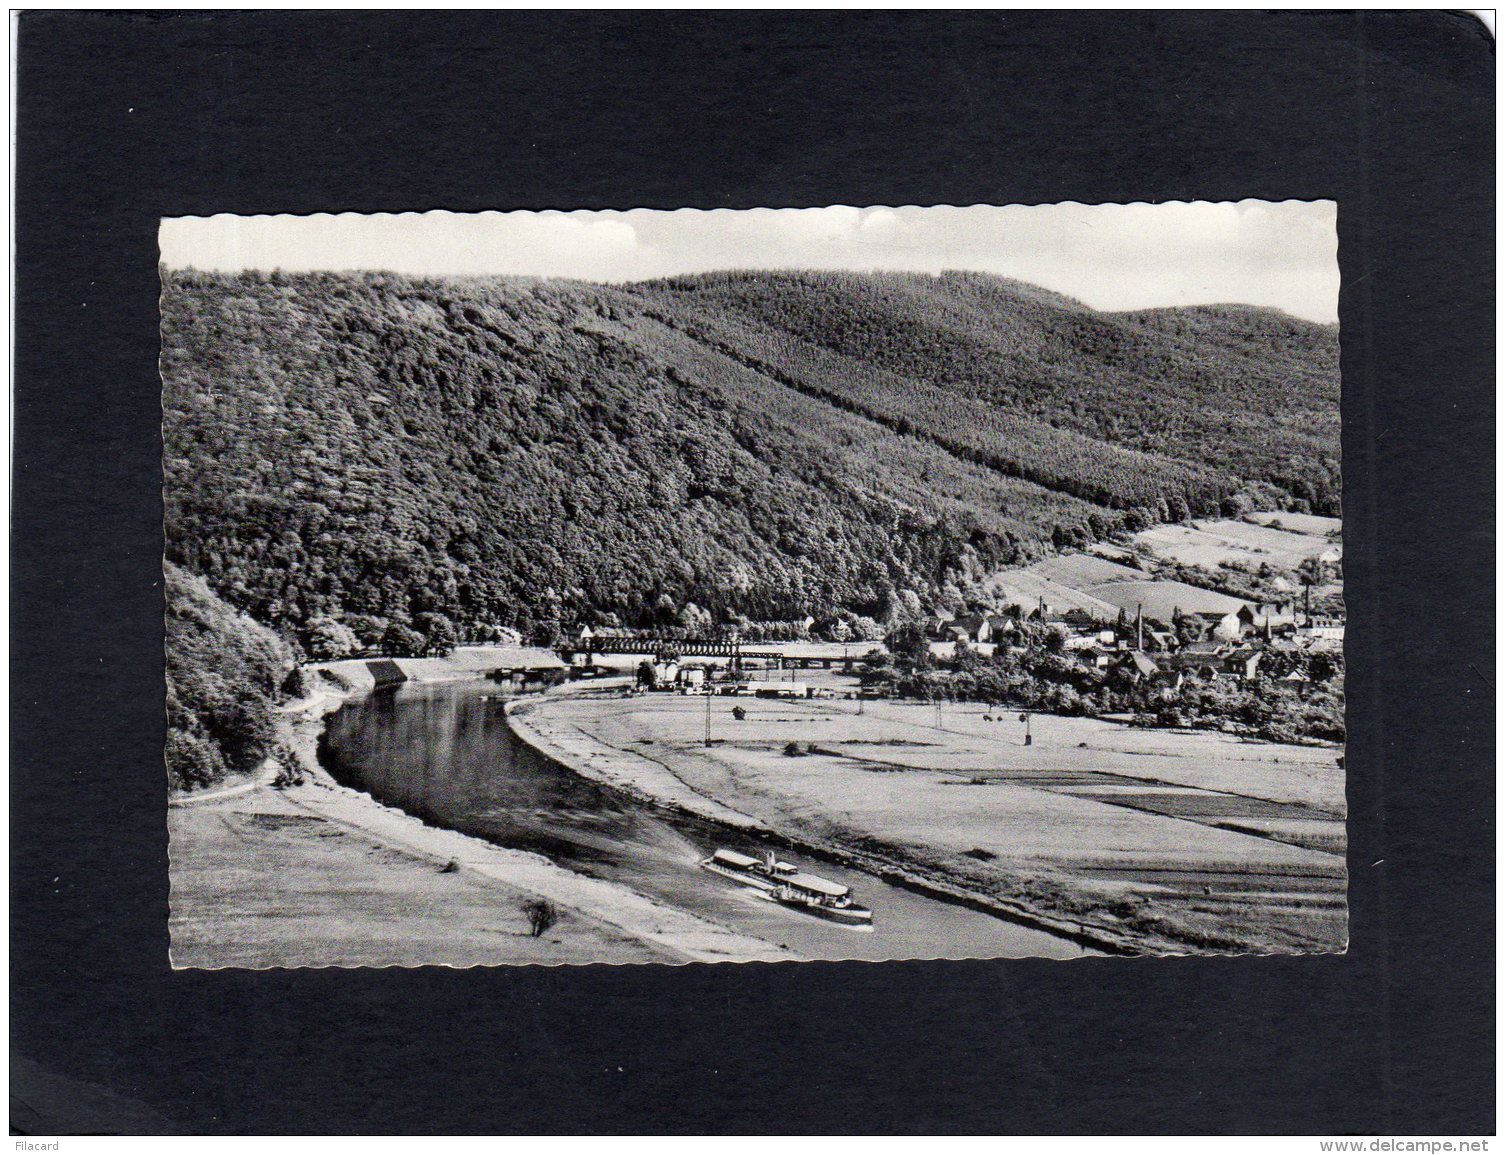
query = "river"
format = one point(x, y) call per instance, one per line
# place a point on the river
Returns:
point(445, 753)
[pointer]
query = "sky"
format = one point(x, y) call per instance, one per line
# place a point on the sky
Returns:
point(1282, 254)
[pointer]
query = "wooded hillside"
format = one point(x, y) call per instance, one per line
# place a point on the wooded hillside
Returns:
point(224, 673)
point(420, 459)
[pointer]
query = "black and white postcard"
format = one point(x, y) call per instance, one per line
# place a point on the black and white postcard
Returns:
point(839, 583)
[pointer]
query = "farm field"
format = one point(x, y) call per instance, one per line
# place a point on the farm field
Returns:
point(1308, 523)
point(1164, 840)
point(1209, 543)
point(1108, 577)
point(1025, 587)
point(1084, 570)
point(1161, 599)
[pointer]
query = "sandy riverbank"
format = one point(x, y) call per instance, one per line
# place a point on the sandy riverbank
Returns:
point(1153, 841)
point(321, 875)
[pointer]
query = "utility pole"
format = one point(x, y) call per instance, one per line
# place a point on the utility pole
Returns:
point(708, 719)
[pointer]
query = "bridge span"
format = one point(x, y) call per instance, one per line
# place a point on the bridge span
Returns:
point(795, 656)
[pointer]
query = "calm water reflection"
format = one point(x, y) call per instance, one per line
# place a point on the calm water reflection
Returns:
point(444, 752)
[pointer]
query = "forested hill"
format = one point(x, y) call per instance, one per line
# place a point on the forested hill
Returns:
point(405, 455)
point(1230, 386)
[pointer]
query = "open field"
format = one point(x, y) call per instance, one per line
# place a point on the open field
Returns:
point(1209, 543)
point(1082, 571)
point(1159, 840)
point(1309, 523)
point(1161, 599)
point(1024, 588)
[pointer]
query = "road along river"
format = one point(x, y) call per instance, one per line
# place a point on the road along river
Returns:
point(445, 753)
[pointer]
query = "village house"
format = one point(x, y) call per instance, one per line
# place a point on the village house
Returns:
point(1167, 682)
point(660, 675)
point(935, 628)
point(1002, 625)
point(1203, 659)
point(1078, 619)
point(1139, 665)
point(1267, 615)
point(1092, 654)
point(1242, 664)
point(969, 628)
point(1319, 627)
point(1228, 627)
point(1144, 670)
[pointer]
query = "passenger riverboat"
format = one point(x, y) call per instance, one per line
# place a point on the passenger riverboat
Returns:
point(789, 885)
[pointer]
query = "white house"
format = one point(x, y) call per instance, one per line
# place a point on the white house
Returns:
point(1329, 628)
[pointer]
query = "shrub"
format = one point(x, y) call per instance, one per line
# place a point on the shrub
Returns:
point(297, 684)
point(401, 642)
point(289, 769)
point(328, 640)
point(338, 681)
point(541, 915)
point(193, 761)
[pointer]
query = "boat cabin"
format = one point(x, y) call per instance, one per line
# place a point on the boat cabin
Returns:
point(819, 886)
point(734, 860)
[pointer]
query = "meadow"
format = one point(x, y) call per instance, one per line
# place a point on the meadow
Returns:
point(1161, 840)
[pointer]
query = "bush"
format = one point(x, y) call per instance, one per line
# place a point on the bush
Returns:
point(401, 642)
point(338, 681)
point(541, 915)
point(297, 684)
point(328, 640)
point(289, 769)
point(439, 635)
point(193, 761)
